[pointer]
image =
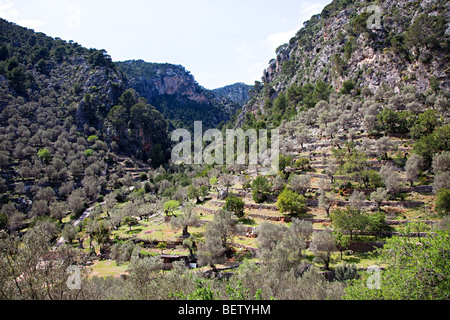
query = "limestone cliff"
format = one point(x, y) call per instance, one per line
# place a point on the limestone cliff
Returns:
point(173, 91)
point(409, 47)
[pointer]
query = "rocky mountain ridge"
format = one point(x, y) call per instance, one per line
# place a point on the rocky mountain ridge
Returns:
point(176, 94)
point(336, 46)
point(238, 92)
point(155, 79)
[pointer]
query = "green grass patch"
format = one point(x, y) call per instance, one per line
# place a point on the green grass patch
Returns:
point(108, 268)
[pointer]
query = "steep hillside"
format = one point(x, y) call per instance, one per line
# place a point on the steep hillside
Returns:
point(336, 48)
point(84, 86)
point(65, 114)
point(175, 93)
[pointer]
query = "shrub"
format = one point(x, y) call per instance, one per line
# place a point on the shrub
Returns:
point(235, 205)
point(88, 153)
point(443, 201)
point(260, 187)
point(92, 139)
point(291, 202)
point(302, 163)
point(44, 154)
point(347, 87)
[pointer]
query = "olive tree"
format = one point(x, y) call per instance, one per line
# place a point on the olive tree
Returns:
point(300, 183)
point(218, 235)
point(391, 178)
point(413, 167)
point(187, 219)
point(323, 245)
point(379, 196)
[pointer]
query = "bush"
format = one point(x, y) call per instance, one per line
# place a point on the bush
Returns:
point(443, 201)
point(92, 139)
point(44, 154)
point(291, 202)
point(88, 153)
point(302, 163)
point(235, 205)
point(346, 272)
point(260, 187)
point(124, 252)
point(395, 122)
point(377, 221)
point(426, 30)
point(347, 87)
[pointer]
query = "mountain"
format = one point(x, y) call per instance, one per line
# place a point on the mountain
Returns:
point(173, 91)
point(81, 87)
point(238, 93)
point(68, 119)
point(337, 50)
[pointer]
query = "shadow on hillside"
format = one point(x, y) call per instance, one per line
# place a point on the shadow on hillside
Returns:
point(134, 231)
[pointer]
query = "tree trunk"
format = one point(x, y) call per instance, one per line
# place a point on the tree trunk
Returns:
point(213, 267)
point(191, 253)
point(327, 263)
point(186, 234)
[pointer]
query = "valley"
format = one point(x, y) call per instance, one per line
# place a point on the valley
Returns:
point(363, 181)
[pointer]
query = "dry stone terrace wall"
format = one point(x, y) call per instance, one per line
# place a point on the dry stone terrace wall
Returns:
point(315, 203)
point(154, 243)
point(289, 219)
point(353, 246)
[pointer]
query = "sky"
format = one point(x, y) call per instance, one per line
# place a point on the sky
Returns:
point(219, 42)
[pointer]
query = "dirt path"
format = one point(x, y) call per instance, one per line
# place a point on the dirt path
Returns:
point(77, 222)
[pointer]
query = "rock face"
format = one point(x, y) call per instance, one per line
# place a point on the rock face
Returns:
point(238, 93)
point(152, 80)
point(410, 49)
point(174, 92)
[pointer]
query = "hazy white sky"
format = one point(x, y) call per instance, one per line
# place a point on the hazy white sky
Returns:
point(219, 42)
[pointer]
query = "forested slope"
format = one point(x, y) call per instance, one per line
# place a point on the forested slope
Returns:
point(65, 112)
